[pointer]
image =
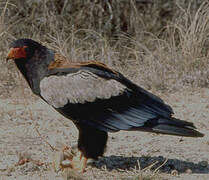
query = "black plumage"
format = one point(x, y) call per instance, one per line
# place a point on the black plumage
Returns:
point(96, 98)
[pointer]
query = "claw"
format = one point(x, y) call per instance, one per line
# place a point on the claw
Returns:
point(68, 159)
point(79, 162)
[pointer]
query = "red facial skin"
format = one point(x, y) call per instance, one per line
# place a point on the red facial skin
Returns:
point(17, 53)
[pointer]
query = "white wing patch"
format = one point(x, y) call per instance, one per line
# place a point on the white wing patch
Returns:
point(79, 87)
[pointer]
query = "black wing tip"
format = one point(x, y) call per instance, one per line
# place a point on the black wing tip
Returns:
point(191, 132)
point(177, 131)
point(174, 127)
point(199, 134)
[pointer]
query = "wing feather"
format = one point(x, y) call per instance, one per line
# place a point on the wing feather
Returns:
point(80, 87)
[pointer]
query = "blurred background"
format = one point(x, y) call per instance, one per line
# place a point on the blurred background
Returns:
point(161, 45)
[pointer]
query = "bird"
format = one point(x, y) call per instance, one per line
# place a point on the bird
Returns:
point(97, 98)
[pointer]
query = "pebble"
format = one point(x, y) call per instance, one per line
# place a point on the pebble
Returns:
point(66, 163)
point(188, 171)
point(174, 172)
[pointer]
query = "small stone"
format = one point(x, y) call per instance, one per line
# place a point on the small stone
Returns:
point(188, 171)
point(203, 163)
point(66, 163)
point(174, 172)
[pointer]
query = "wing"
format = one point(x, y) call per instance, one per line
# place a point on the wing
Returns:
point(80, 87)
point(92, 94)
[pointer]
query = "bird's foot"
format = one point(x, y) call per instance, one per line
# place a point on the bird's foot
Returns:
point(62, 159)
point(79, 162)
point(69, 159)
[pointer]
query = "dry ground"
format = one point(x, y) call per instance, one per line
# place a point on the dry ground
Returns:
point(163, 48)
point(187, 157)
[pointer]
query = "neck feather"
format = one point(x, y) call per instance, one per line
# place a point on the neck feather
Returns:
point(35, 68)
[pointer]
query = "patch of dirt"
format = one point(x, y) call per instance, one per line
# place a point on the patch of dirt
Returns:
point(183, 158)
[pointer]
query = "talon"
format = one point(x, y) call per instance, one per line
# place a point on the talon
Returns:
point(68, 159)
point(79, 162)
point(62, 159)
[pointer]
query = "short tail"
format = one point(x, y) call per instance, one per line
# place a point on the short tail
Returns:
point(171, 126)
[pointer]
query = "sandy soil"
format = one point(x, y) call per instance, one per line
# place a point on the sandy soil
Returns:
point(187, 158)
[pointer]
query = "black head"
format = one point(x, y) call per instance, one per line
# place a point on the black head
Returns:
point(24, 42)
point(31, 59)
point(23, 49)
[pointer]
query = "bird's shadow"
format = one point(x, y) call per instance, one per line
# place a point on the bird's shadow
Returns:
point(166, 165)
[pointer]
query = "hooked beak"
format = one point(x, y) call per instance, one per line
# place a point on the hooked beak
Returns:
point(10, 55)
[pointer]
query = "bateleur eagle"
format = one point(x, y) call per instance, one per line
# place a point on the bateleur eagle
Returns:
point(95, 97)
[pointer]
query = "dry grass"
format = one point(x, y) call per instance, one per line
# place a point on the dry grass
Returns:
point(160, 45)
point(160, 52)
